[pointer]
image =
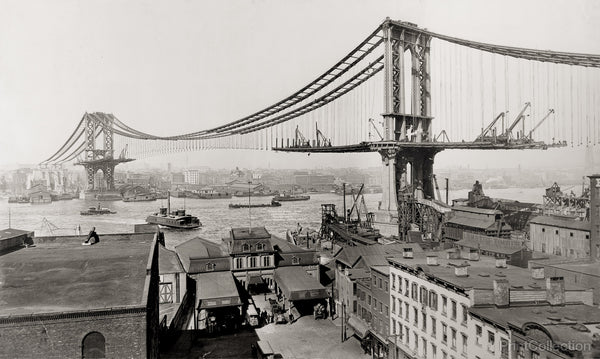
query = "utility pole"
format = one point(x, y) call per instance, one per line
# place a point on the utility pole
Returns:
point(447, 180)
point(249, 209)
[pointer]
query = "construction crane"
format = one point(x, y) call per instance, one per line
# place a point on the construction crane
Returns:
point(482, 136)
point(301, 141)
point(321, 140)
point(507, 135)
point(551, 111)
point(372, 122)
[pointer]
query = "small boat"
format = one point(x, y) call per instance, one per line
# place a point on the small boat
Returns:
point(286, 197)
point(272, 204)
point(96, 211)
point(175, 219)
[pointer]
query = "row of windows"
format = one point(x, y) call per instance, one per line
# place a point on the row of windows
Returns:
point(491, 341)
point(379, 283)
point(429, 350)
point(373, 303)
point(251, 262)
point(429, 298)
point(587, 236)
point(247, 247)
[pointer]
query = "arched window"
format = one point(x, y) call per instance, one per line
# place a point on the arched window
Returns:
point(245, 247)
point(260, 246)
point(93, 346)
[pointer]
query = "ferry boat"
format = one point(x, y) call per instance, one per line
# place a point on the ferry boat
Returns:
point(286, 197)
point(239, 205)
point(96, 211)
point(175, 219)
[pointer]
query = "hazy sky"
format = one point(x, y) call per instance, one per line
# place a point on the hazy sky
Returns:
point(170, 67)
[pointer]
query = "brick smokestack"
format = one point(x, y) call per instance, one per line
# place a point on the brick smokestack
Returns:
point(501, 293)
point(595, 217)
point(555, 290)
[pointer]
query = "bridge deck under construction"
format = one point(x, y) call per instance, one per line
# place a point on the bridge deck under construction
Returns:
point(397, 145)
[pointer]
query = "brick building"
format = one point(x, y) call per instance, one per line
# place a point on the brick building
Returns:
point(64, 300)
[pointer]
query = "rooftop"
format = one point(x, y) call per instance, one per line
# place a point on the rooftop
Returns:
point(168, 262)
point(481, 223)
point(489, 247)
point(196, 248)
point(11, 232)
point(481, 273)
point(558, 321)
point(249, 233)
point(58, 274)
point(476, 210)
point(561, 222)
point(574, 265)
point(350, 255)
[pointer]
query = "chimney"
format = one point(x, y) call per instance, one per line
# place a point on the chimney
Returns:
point(346, 271)
point(408, 252)
point(537, 272)
point(461, 270)
point(555, 290)
point(501, 293)
point(473, 254)
point(500, 262)
point(432, 260)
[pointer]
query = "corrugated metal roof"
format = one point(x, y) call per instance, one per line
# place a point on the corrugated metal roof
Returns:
point(481, 223)
point(476, 210)
point(561, 222)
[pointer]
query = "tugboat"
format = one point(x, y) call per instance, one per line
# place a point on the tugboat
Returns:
point(273, 203)
point(97, 210)
point(286, 197)
point(175, 219)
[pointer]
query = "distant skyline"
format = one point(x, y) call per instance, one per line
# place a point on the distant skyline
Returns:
point(179, 66)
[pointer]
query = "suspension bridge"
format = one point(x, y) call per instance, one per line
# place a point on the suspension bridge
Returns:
point(404, 92)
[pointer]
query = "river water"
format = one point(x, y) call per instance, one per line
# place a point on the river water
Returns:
point(62, 217)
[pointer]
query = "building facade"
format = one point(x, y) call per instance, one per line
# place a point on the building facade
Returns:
point(560, 236)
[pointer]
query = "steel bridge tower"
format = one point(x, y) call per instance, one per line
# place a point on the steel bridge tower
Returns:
point(99, 159)
point(407, 171)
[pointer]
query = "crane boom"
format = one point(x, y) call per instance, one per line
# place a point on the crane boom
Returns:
point(437, 188)
point(551, 111)
point(490, 126)
point(516, 121)
point(372, 122)
point(300, 139)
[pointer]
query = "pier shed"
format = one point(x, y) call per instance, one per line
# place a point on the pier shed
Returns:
point(218, 303)
point(300, 289)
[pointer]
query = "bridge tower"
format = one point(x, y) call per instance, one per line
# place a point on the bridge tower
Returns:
point(99, 159)
point(407, 170)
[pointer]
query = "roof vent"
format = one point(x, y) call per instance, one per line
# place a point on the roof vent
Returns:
point(432, 260)
point(537, 272)
point(461, 270)
point(500, 262)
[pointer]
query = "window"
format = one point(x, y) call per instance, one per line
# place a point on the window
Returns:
point(453, 337)
point(444, 304)
point(433, 300)
point(253, 262)
point(239, 262)
point(369, 299)
point(556, 231)
point(393, 281)
point(424, 347)
point(210, 267)
point(246, 247)
point(570, 235)
point(543, 229)
point(424, 321)
point(478, 334)
point(393, 326)
point(295, 260)
point(536, 355)
point(385, 286)
point(414, 293)
point(444, 333)
point(266, 261)
point(503, 348)
point(374, 280)
point(433, 328)
point(393, 305)
point(407, 334)
point(379, 281)
point(433, 351)
point(260, 246)
point(165, 292)
point(444, 355)
point(520, 351)
point(387, 311)
point(399, 308)
point(93, 346)
point(423, 295)
point(406, 287)
point(416, 317)
point(453, 309)
point(374, 303)
point(406, 311)
point(464, 343)
point(465, 314)
point(380, 308)
point(416, 340)
point(491, 341)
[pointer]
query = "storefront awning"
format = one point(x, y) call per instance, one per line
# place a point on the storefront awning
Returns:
point(360, 327)
point(296, 284)
point(216, 289)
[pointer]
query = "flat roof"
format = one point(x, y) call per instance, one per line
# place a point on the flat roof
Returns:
point(58, 274)
point(561, 222)
point(489, 247)
point(249, 233)
point(481, 273)
point(12, 232)
point(580, 265)
point(296, 284)
point(476, 210)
